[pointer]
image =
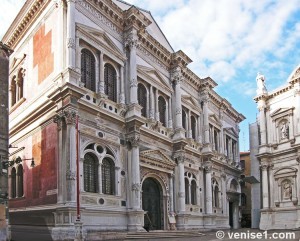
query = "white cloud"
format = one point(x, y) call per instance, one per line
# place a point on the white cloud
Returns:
point(10, 9)
point(232, 33)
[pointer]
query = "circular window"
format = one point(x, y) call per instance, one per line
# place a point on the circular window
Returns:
point(101, 201)
point(100, 149)
point(123, 173)
point(100, 134)
point(87, 97)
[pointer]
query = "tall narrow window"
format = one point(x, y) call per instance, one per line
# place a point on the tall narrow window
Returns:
point(20, 181)
point(184, 122)
point(13, 89)
point(20, 84)
point(193, 192)
point(110, 82)
point(193, 127)
point(108, 176)
point(90, 170)
point(13, 183)
point(162, 110)
point(88, 76)
point(216, 139)
point(187, 189)
point(142, 98)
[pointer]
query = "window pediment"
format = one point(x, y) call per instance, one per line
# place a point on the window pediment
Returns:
point(100, 38)
point(154, 76)
point(157, 158)
point(284, 172)
point(230, 131)
point(213, 119)
point(190, 101)
point(281, 112)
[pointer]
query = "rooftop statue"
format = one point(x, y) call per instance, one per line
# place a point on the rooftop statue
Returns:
point(261, 88)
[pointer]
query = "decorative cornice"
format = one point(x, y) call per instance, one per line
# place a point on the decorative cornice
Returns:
point(29, 12)
point(134, 18)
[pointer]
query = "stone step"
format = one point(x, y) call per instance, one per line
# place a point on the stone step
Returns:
point(162, 234)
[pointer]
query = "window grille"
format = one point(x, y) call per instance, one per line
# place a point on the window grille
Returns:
point(90, 170)
point(20, 181)
point(184, 121)
point(108, 176)
point(88, 76)
point(186, 184)
point(193, 192)
point(142, 98)
point(162, 110)
point(13, 91)
point(216, 140)
point(13, 183)
point(110, 82)
point(193, 127)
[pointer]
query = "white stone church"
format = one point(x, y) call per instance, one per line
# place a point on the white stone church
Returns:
point(158, 147)
point(276, 147)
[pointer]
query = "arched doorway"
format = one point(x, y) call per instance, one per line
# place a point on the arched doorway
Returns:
point(152, 204)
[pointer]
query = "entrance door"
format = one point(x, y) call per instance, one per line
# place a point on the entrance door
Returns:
point(151, 201)
point(231, 214)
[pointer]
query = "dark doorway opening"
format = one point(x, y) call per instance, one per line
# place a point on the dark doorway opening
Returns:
point(152, 204)
point(231, 214)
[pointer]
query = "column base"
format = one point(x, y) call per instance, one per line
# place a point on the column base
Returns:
point(179, 134)
point(182, 221)
point(136, 221)
point(133, 110)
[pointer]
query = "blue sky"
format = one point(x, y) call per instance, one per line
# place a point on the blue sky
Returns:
point(228, 40)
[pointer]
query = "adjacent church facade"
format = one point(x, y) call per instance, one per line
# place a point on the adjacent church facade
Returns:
point(158, 147)
point(276, 146)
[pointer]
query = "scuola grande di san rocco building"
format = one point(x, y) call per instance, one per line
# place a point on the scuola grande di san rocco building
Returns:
point(157, 144)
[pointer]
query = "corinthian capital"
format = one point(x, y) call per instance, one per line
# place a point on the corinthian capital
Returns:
point(176, 75)
point(70, 117)
point(132, 40)
point(134, 139)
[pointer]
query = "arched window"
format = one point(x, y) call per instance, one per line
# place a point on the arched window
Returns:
point(13, 89)
point(215, 194)
point(108, 176)
point(20, 84)
point(142, 98)
point(193, 127)
point(184, 121)
point(20, 181)
point(110, 82)
point(216, 140)
point(193, 192)
point(88, 76)
point(162, 110)
point(13, 183)
point(187, 189)
point(90, 170)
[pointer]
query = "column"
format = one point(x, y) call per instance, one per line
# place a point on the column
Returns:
point(171, 190)
point(100, 177)
point(151, 103)
point(189, 124)
point(156, 105)
point(177, 77)
point(101, 80)
point(132, 43)
point(205, 120)
point(181, 193)
point(208, 188)
point(71, 34)
point(265, 191)
point(199, 130)
point(135, 172)
point(70, 142)
point(61, 186)
point(262, 121)
point(122, 91)
point(170, 122)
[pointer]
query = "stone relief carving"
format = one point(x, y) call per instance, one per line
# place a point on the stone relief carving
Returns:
point(284, 131)
point(286, 190)
point(71, 43)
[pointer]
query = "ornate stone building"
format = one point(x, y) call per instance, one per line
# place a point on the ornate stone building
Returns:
point(158, 147)
point(278, 153)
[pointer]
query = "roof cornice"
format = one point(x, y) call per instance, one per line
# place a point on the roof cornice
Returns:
point(30, 11)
